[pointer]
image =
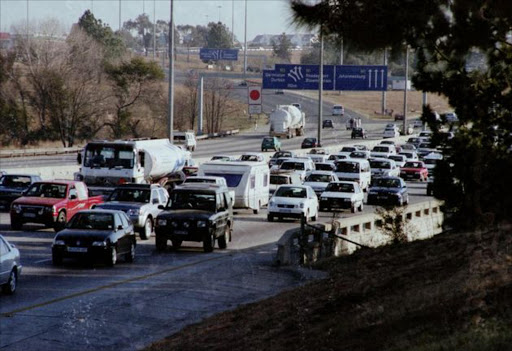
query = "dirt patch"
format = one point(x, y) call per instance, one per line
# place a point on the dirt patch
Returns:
point(397, 297)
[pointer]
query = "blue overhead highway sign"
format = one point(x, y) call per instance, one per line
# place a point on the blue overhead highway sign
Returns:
point(361, 78)
point(206, 54)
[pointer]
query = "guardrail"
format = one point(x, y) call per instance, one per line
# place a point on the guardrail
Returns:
point(344, 236)
point(74, 150)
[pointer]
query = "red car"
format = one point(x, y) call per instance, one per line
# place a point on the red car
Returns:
point(414, 170)
point(51, 203)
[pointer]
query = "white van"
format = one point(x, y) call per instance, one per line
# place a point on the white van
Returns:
point(187, 139)
point(248, 179)
point(354, 170)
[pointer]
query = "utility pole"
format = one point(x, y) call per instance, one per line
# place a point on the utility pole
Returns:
point(233, 23)
point(171, 75)
point(245, 42)
point(154, 29)
point(383, 105)
point(405, 87)
point(320, 88)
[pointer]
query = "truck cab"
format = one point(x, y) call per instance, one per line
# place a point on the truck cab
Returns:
point(187, 139)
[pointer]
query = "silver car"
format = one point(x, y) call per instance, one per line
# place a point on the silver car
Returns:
point(10, 266)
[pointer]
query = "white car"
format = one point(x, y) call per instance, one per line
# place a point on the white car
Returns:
point(302, 166)
point(338, 156)
point(293, 201)
point(342, 195)
point(410, 155)
point(252, 156)
point(431, 160)
point(319, 180)
point(10, 266)
point(338, 110)
point(391, 132)
point(384, 167)
point(383, 150)
point(399, 159)
point(363, 154)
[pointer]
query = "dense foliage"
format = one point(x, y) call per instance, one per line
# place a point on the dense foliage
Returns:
point(282, 47)
point(446, 35)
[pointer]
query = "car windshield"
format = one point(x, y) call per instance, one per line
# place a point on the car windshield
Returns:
point(299, 166)
point(386, 182)
point(340, 187)
point(324, 178)
point(358, 154)
point(97, 221)
point(109, 156)
point(232, 180)
point(347, 167)
point(309, 140)
point(398, 158)
point(324, 167)
point(279, 179)
point(57, 191)
point(337, 157)
point(249, 158)
point(291, 192)
point(15, 181)
point(348, 149)
point(199, 180)
point(130, 195)
point(380, 149)
point(221, 158)
point(379, 164)
point(413, 165)
point(180, 200)
point(282, 154)
point(268, 140)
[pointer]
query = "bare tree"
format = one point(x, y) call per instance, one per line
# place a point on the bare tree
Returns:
point(217, 104)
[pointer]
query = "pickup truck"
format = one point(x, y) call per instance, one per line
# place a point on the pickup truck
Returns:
point(51, 203)
point(140, 202)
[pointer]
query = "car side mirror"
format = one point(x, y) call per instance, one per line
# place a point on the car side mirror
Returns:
point(161, 207)
point(120, 227)
point(72, 197)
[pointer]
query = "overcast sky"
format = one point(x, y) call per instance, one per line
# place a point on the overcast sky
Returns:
point(264, 16)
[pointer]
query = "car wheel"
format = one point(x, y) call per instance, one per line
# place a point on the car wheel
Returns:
point(16, 225)
point(61, 222)
point(270, 218)
point(209, 242)
point(257, 209)
point(146, 230)
point(306, 217)
point(223, 239)
point(57, 259)
point(361, 207)
point(111, 258)
point(160, 243)
point(130, 255)
point(12, 283)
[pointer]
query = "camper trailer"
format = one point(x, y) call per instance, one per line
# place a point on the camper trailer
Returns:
point(249, 180)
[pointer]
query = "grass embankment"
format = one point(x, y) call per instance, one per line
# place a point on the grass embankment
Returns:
point(452, 292)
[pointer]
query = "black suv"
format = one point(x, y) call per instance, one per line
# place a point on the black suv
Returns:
point(196, 212)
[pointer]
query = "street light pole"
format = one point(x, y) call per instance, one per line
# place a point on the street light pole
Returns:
point(154, 29)
point(233, 23)
point(320, 88)
point(219, 7)
point(171, 75)
point(245, 41)
point(405, 86)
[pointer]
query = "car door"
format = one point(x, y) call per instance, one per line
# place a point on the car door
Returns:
point(120, 234)
point(221, 214)
point(5, 261)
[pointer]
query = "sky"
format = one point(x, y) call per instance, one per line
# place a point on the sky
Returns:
point(263, 16)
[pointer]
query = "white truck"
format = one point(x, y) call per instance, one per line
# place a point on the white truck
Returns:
point(248, 179)
point(287, 120)
point(106, 164)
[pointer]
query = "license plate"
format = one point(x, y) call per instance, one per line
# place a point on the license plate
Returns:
point(285, 210)
point(181, 232)
point(77, 249)
point(29, 215)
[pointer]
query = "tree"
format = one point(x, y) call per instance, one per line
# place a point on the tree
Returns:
point(144, 28)
point(216, 104)
point(131, 80)
point(112, 43)
point(218, 36)
point(282, 47)
point(445, 36)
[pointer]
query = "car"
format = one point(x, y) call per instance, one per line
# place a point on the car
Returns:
point(293, 201)
point(424, 149)
point(277, 179)
point(276, 163)
point(12, 186)
point(196, 212)
point(301, 166)
point(407, 147)
point(317, 151)
point(358, 133)
point(361, 147)
point(383, 150)
point(391, 132)
point(451, 117)
point(10, 266)
point(417, 123)
point(388, 191)
point(342, 195)
point(252, 157)
point(318, 180)
point(338, 156)
point(271, 142)
point(279, 92)
point(96, 234)
point(409, 155)
point(363, 154)
point(338, 110)
point(415, 141)
point(348, 149)
point(390, 142)
point(327, 123)
point(414, 170)
point(281, 154)
point(309, 142)
point(383, 167)
point(399, 159)
point(431, 160)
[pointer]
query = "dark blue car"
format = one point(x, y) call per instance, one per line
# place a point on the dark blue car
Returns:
point(388, 191)
point(12, 186)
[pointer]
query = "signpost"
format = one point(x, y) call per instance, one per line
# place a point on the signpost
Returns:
point(206, 54)
point(254, 95)
point(340, 77)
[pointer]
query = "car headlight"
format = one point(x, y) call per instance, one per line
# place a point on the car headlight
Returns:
point(58, 242)
point(16, 208)
point(272, 203)
point(301, 205)
point(133, 212)
point(161, 222)
point(201, 224)
point(174, 224)
point(99, 243)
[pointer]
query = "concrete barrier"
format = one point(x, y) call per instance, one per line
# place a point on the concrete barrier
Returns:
point(425, 220)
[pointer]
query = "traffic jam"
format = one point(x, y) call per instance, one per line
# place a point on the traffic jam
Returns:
point(131, 190)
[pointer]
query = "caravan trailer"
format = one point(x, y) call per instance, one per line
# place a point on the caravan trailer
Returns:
point(249, 180)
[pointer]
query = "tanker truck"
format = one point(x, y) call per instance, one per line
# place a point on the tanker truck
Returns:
point(106, 164)
point(287, 120)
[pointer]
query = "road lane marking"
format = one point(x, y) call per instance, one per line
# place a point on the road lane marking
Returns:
point(107, 286)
